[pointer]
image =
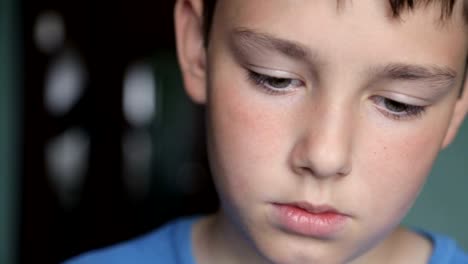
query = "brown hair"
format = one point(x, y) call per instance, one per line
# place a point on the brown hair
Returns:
point(397, 7)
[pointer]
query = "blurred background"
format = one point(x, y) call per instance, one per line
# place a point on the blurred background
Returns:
point(98, 142)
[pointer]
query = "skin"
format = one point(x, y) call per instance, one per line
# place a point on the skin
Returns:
point(330, 137)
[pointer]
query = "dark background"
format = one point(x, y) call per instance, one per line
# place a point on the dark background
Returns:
point(107, 36)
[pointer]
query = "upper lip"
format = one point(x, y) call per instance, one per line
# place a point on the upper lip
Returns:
point(315, 209)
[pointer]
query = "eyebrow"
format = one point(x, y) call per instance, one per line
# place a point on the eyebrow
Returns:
point(247, 39)
point(434, 76)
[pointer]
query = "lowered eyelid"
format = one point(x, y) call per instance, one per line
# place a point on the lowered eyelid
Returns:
point(275, 73)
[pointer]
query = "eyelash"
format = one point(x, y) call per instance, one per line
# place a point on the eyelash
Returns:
point(262, 81)
point(408, 111)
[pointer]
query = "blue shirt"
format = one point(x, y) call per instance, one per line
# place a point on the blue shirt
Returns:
point(171, 244)
point(445, 250)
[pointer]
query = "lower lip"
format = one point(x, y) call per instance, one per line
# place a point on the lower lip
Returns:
point(299, 221)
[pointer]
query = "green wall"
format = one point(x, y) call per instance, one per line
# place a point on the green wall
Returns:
point(8, 112)
point(443, 204)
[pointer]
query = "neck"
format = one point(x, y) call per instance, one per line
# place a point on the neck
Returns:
point(216, 240)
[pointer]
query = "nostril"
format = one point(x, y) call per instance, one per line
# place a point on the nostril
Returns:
point(345, 171)
point(304, 170)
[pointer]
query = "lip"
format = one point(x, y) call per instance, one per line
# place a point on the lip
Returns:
point(303, 218)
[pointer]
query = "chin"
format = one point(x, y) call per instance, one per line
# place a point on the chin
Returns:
point(292, 250)
point(306, 258)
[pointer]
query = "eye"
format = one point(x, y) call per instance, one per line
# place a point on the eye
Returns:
point(278, 83)
point(397, 110)
point(396, 107)
point(273, 84)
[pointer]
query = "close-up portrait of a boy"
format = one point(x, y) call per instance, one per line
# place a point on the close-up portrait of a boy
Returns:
point(323, 120)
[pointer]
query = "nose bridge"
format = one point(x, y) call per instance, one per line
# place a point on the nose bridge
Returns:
point(327, 141)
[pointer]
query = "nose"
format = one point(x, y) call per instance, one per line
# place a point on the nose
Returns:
point(324, 149)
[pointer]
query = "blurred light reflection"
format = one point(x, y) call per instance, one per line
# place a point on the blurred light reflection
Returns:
point(137, 154)
point(139, 94)
point(67, 162)
point(64, 85)
point(49, 32)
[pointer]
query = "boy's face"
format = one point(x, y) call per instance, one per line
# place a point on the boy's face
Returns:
point(338, 110)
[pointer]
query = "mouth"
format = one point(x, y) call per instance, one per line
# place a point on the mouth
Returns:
point(305, 219)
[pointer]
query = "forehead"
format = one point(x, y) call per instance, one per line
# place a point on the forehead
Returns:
point(348, 26)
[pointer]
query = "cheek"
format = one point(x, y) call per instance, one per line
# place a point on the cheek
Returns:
point(244, 139)
point(397, 168)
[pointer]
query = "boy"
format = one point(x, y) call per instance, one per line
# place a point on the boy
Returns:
point(324, 119)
